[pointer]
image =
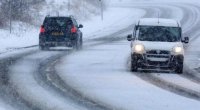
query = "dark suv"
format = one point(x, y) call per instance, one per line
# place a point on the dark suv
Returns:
point(60, 31)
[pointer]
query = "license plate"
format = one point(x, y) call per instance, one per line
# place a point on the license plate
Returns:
point(57, 33)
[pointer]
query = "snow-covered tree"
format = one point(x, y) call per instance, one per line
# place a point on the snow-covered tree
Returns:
point(17, 10)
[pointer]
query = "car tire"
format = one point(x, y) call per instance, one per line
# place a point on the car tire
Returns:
point(75, 45)
point(47, 47)
point(80, 45)
point(44, 47)
point(134, 67)
point(81, 42)
point(179, 68)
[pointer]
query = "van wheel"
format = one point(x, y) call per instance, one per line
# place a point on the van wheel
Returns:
point(134, 67)
point(179, 68)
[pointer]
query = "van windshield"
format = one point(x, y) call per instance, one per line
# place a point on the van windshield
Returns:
point(159, 33)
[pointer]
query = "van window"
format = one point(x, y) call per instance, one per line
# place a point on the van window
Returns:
point(159, 33)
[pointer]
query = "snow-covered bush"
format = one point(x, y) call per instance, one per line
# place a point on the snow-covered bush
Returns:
point(33, 11)
point(16, 10)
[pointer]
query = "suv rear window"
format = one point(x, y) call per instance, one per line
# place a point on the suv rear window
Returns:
point(57, 22)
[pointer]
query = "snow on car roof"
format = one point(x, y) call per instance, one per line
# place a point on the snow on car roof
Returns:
point(158, 22)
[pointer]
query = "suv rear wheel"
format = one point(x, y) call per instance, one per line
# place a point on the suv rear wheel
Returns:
point(42, 47)
point(75, 45)
point(81, 43)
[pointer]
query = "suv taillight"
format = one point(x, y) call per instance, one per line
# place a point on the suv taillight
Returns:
point(73, 29)
point(42, 30)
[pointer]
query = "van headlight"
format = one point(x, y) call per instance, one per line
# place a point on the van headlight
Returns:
point(178, 50)
point(139, 48)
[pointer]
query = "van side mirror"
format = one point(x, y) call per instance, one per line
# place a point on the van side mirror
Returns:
point(80, 26)
point(130, 37)
point(186, 40)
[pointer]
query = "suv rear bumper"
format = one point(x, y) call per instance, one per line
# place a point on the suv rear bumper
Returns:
point(164, 63)
point(54, 44)
point(57, 41)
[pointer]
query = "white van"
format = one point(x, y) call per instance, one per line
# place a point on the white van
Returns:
point(157, 44)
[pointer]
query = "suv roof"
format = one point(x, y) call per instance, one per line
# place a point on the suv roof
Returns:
point(158, 22)
point(70, 16)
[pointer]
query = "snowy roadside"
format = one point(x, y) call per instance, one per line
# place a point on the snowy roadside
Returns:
point(115, 19)
point(23, 35)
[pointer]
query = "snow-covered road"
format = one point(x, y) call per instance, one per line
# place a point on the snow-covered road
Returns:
point(104, 76)
point(98, 77)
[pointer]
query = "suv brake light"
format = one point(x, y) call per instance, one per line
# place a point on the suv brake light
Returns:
point(73, 29)
point(42, 30)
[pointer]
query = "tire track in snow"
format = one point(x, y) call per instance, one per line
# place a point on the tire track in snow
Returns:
point(8, 92)
point(25, 83)
point(169, 86)
point(47, 74)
